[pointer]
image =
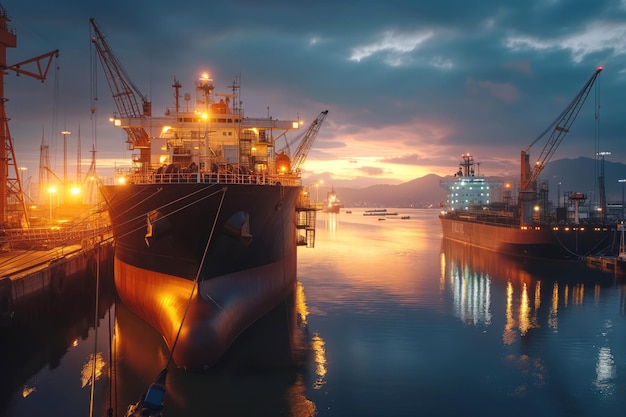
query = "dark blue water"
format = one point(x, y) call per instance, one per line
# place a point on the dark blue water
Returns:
point(387, 321)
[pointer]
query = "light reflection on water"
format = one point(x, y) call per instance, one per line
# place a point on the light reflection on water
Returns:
point(387, 320)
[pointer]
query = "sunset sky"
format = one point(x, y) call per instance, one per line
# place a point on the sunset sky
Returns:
point(409, 86)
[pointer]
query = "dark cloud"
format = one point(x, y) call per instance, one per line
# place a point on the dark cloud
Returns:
point(400, 79)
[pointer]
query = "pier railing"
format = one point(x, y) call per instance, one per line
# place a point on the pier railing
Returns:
point(84, 234)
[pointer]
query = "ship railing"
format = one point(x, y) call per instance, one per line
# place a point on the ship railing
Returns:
point(206, 178)
point(504, 219)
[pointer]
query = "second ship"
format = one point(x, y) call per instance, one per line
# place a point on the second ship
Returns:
point(208, 222)
point(526, 225)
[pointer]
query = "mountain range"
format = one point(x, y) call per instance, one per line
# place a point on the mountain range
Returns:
point(563, 175)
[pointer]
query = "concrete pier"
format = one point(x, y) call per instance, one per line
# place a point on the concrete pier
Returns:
point(607, 264)
point(45, 277)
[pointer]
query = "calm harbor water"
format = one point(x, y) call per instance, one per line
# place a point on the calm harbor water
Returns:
point(387, 321)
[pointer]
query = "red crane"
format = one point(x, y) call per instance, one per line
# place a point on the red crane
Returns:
point(126, 96)
point(12, 202)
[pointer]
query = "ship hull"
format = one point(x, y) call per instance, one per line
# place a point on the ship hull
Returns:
point(238, 242)
point(537, 241)
point(331, 209)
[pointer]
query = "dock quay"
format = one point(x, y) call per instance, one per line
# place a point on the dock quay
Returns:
point(607, 264)
point(43, 268)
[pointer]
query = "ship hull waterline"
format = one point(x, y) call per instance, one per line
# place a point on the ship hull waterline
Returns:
point(242, 274)
point(539, 241)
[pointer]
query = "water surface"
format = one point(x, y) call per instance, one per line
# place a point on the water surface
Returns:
point(387, 321)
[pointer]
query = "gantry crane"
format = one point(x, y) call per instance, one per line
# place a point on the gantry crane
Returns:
point(557, 129)
point(126, 96)
point(299, 156)
point(12, 202)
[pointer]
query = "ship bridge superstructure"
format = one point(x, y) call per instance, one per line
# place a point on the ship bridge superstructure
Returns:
point(210, 135)
point(468, 190)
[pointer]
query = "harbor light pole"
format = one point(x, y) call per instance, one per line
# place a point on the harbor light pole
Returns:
point(65, 132)
point(51, 191)
point(623, 181)
point(317, 191)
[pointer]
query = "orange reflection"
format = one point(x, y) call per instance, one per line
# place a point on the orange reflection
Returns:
point(524, 309)
point(578, 293)
point(508, 336)
point(554, 308)
point(87, 373)
point(26, 391)
point(301, 406)
point(301, 307)
point(319, 351)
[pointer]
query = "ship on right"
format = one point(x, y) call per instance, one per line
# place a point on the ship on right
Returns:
point(525, 223)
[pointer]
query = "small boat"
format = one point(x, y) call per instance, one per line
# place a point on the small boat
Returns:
point(405, 217)
point(151, 403)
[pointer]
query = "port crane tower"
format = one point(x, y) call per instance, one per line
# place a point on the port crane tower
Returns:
point(13, 210)
point(557, 131)
point(126, 96)
point(304, 146)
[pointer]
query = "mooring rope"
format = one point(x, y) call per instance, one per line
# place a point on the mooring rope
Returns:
point(142, 216)
point(195, 281)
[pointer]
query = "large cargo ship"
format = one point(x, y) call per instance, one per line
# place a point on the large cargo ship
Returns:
point(208, 221)
point(528, 224)
point(472, 218)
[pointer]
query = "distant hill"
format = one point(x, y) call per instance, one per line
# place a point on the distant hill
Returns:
point(420, 193)
point(576, 175)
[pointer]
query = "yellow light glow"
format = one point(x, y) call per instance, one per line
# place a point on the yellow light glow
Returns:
point(166, 129)
point(75, 190)
point(205, 76)
point(295, 125)
point(52, 189)
point(121, 180)
point(163, 159)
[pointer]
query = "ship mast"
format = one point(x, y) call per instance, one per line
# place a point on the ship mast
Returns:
point(12, 202)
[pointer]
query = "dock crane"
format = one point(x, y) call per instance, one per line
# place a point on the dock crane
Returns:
point(299, 156)
point(12, 202)
point(126, 96)
point(557, 129)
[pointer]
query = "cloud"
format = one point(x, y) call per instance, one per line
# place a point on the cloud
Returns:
point(596, 37)
point(503, 91)
point(372, 171)
point(412, 159)
point(394, 47)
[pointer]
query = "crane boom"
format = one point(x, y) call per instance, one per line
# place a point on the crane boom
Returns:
point(125, 94)
point(304, 146)
point(559, 128)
